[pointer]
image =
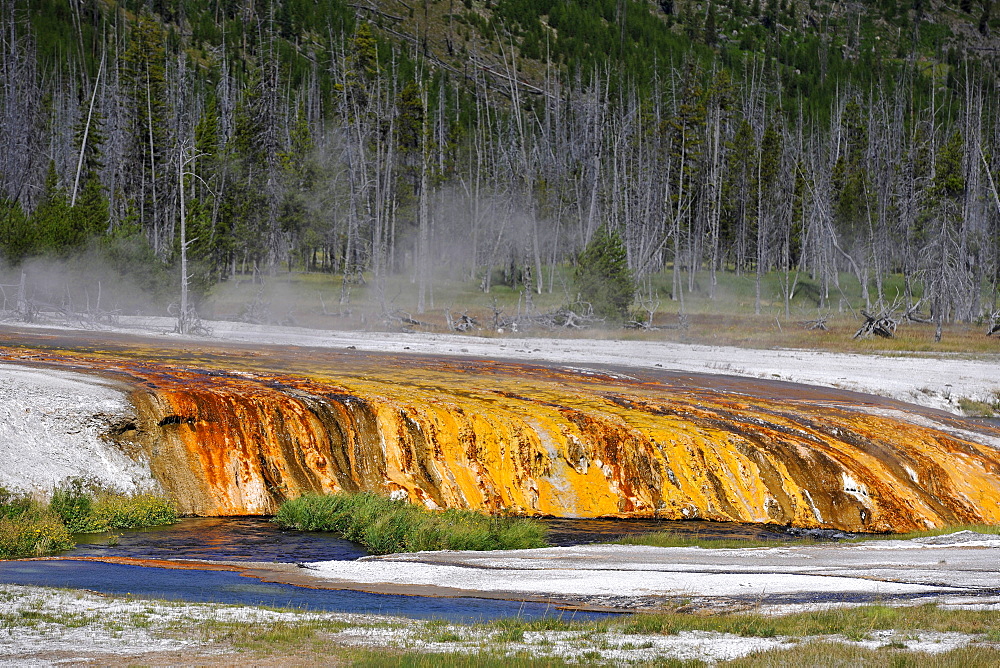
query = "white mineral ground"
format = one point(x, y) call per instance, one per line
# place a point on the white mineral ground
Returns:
point(50, 426)
point(935, 382)
point(957, 569)
point(50, 431)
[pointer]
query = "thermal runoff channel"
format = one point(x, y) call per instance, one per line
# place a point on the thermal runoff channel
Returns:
point(236, 430)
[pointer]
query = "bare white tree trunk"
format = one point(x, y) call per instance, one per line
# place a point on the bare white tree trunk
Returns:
point(86, 132)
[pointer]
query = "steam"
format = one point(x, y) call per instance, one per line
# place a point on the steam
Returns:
point(84, 286)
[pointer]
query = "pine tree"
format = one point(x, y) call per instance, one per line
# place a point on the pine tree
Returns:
point(51, 220)
point(91, 216)
point(602, 277)
point(16, 232)
point(144, 80)
point(710, 26)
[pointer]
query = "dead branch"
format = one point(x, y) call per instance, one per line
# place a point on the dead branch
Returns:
point(463, 323)
point(403, 320)
point(257, 311)
point(913, 314)
point(649, 304)
point(994, 326)
point(343, 313)
point(580, 317)
point(377, 12)
point(882, 324)
point(683, 322)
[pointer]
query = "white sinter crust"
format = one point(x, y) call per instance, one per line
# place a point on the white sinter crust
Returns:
point(51, 426)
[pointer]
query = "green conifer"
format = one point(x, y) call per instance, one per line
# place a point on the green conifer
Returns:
point(602, 277)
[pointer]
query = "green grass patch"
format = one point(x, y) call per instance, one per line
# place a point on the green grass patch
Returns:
point(537, 625)
point(270, 637)
point(384, 526)
point(34, 533)
point(32, 528)
point(671, 623)
point(990, 529)
point(86, 508)
point(479, 660)
point(853, 623)
point(809, 655)
point(850, 622)
point(312, 639)
point(974, 408)
point(797, 655)
point(671, 539)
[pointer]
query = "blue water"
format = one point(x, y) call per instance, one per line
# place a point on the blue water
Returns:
point(258, 539)
point(219, 539)
point(229, 587)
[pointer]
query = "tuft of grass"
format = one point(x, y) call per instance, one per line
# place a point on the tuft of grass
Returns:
point(671, 623)
point(87, 508)
point(671, 539)
point(809, 655)
point(121, 511)
point(854, 623)
point(371, 659)
point(974, 408)
point(31, 528)
point(990, 529)
point(270, 637)
point(28, 528)
point(384, 526)
point(562, 623)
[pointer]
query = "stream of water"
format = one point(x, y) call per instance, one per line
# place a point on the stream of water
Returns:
point(259, 540)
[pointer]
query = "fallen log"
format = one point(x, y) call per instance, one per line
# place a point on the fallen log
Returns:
point(882, 325)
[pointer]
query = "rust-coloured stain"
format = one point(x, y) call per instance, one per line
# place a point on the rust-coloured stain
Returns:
point(235, 430)
point(172, 564)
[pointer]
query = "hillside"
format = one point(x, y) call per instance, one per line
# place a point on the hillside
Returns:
point(491, 141)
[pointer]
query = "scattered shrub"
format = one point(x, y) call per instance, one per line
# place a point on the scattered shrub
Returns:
point(34, 534)
point(29, 529)
point(118, 511)
point(87, 508)
point(383, 526)
point(602, 277)
point(12, 504)
point(74, 504)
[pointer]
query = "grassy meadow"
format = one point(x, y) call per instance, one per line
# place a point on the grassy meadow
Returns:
point(323, 301)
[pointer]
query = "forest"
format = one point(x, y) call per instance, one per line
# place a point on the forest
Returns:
point(190, 142)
